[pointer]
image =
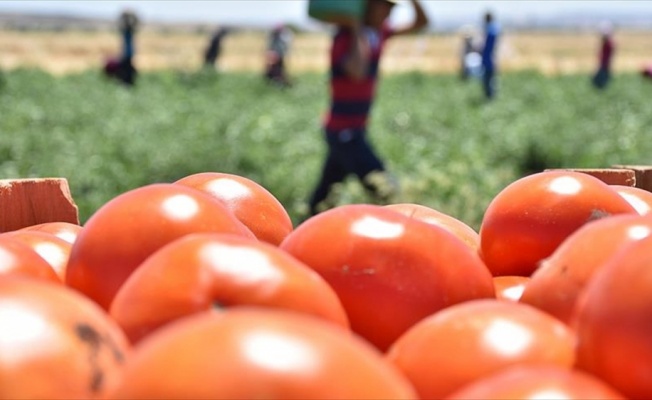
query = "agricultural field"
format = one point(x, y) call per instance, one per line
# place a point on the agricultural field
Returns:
point(533, 283)
point(552, 53)
point(448, 148)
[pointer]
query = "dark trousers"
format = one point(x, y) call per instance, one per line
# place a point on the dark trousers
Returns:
point(348, 153)
point(489, 82)
point(126, 71)
point(601, 78)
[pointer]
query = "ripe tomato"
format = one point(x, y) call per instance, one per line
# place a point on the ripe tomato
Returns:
point(537, 382)
point(529, 218)
point(378, 259)
point(426, 214)
point(258, 353)
point(51, 248)
point(468, 341)
point(64, 230)
point(639, 198)
point(55, 343)
point(18, 258)
point(126, 230)
point(510, 287)
point(612, 320)
point(204, 271)
point(556, 285)
point(251, 203)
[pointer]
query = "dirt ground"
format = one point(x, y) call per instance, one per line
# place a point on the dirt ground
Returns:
point(550, 52)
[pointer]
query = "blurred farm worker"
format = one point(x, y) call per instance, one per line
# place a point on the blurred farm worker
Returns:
point(278, 47)
point(607, 47)
point(489, 67)
point(646, 72)
point(123, 67)
point(470, 60)
point(354, 70)
point(214, 48)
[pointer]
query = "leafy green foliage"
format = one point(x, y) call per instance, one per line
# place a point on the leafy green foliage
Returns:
point(448, 147)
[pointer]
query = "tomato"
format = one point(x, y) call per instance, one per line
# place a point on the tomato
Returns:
point(55, 343)
point(529, 218)
point(203, 271)
point(468, 341)
point(510, 287)
point(426, 214)
point(537, 382)
point(389, 270)
point(127, 229)
point(556, 285)
point(18, 258)
point(251, 203)
point(51, 248)
point(257, 353)
point(64, 230)
point(612, 320)
point(639, 198)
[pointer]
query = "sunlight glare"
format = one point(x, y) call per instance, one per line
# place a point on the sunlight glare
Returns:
point(23, 333)
point(639, 205)
point(279, 353)
point(514, 292)
point(52, 253)
point(181, 207)
point(507, 338)
point(566, 185)
point(638, 232)
point(246, 265)
point(228, 189)
point(375, 228)
point(549, 394)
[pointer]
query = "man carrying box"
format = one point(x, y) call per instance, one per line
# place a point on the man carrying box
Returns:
point(355, 57)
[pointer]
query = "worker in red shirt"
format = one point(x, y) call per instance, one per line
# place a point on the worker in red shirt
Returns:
point(607, 47)
point(354, 69)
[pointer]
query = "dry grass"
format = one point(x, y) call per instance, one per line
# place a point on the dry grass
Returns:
point(549, 52)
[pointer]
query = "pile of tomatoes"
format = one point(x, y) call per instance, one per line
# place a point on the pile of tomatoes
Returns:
point(203, 288)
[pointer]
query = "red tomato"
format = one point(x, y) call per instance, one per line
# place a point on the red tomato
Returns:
point(254, 354)
point(469, 341)
point(55, 343)
point(127, 229)
point(251, 203)
point(510, 287)
point(524, 382)
point(64, 230)
point(51, 248)
point(612, 320)
point(529, 218)
point(18, 258)
point(202, 271)
point(389, 270)
point(429, 215)
point(556, 285)
point(639, 198)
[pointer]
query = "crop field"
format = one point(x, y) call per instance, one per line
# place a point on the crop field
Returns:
point(448, 148)
point(551, 53)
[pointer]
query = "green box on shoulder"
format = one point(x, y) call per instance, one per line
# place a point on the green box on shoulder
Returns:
point(336, 11)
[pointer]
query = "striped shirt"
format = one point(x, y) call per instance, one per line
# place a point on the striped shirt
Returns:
point(351, 99)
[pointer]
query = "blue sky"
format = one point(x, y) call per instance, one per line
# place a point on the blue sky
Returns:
point(270, 12)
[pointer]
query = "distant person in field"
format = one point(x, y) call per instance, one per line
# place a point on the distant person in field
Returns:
point(646, 72)
point(470, 60)
point(354, 70)
point(123, 67)
point(214, 48)
point(489, 67)
point(607, 47)
point(278, 46)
